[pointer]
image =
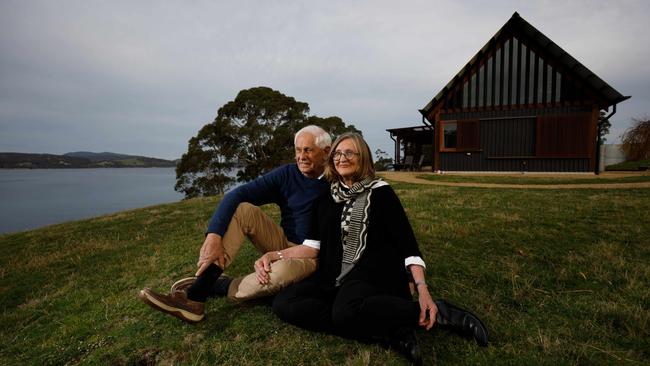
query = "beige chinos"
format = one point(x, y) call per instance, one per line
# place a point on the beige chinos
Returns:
point(249, 221)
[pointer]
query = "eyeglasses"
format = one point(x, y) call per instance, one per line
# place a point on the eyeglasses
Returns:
point(348, 155)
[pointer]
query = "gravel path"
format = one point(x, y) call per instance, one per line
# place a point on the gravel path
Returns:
point(410, 177)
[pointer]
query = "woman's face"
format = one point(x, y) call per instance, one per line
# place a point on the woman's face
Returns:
point(346, 167)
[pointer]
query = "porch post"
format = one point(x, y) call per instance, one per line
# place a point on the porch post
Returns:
point(397, 148)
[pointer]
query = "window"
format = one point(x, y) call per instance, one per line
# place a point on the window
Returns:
point(506, 74)
point(449, 135)
point(497, 78)
point(459, 135)
point(481, 85)
point(522, 76)
point(489, 82)
point(465, 94)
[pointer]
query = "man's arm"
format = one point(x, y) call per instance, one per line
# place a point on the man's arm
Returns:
point(394, 216)
point(264, 189)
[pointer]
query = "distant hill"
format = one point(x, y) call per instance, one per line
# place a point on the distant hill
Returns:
point(103, 156)
point(79, 159)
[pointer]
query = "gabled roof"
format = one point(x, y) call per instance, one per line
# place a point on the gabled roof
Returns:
point(517, 25)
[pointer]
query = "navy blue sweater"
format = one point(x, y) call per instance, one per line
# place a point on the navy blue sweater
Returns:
point(285, 186)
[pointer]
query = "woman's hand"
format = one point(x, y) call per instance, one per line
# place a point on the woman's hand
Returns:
point(428, 308)
point(263, 267)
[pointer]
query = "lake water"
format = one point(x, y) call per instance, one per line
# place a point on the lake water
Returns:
point(39, 197)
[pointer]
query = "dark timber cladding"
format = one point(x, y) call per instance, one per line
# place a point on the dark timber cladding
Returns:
point(520, 104)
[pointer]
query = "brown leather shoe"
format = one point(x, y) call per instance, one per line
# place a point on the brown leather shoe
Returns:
point(183, 284)
point(220, 287)
point(176, 304)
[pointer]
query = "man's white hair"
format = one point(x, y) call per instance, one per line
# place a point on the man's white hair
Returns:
point(322, 138)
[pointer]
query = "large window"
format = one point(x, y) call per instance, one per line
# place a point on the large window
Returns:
point(459, 135)
point(449, 130)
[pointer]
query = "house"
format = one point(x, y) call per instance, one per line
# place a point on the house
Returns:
point(520, 104)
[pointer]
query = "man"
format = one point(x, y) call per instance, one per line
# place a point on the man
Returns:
point(293, 187)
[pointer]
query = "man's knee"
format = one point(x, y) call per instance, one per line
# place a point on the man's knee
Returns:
point(246, 211)
point(283, 273)
point(288, 271)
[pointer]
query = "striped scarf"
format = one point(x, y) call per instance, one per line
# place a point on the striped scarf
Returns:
point(354, 219)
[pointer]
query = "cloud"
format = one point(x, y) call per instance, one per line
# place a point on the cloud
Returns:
point(143, 77)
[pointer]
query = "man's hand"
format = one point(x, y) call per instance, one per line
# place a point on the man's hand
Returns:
point(211, 252)
point(263, 267)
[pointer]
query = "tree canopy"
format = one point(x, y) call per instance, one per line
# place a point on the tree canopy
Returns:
point(636, 140)
point(603, 126)
point(251, 134)
point(382, 161)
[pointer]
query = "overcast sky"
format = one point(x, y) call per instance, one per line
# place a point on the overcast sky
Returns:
point(142, 77)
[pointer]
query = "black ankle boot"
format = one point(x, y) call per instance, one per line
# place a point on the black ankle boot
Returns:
point(461, 321)
point(406, 343)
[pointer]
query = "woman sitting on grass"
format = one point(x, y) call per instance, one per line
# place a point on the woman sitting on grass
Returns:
point(367, 253)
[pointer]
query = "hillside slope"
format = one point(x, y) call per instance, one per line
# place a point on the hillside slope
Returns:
point(559, 277)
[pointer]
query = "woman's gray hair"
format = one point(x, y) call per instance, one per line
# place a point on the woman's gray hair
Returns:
point(322, 138)
point(365, 165)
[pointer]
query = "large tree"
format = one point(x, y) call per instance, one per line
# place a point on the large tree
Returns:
point(636, 140)
point(251, 134)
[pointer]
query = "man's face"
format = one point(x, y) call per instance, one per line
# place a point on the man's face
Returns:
point(309, 157)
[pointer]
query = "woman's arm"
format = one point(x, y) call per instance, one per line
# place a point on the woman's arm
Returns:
point(263, 264)
point(393, 216)
point(424, 298)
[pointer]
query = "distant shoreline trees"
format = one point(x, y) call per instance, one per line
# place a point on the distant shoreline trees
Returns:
point(79, 160)
point(382, 161)
point(251, 135)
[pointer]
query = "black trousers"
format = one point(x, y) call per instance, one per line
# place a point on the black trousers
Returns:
point(356, 309)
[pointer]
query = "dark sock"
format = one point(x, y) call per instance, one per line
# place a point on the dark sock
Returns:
point(221, 285)
point(202, 287)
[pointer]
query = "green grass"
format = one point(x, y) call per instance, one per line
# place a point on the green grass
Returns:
point(629, 165)
point(528, 180)
point(559, 277)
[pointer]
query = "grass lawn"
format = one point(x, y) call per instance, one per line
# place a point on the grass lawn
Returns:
point(525, 179)
point(630, 165)
point(559, 277)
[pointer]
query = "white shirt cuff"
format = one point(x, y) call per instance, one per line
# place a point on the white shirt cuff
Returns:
point(312, 243)
point(414, 260)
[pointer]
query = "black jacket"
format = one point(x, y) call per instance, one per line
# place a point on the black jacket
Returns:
point(390, 240)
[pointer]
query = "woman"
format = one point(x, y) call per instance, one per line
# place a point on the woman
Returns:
point(367, 253)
